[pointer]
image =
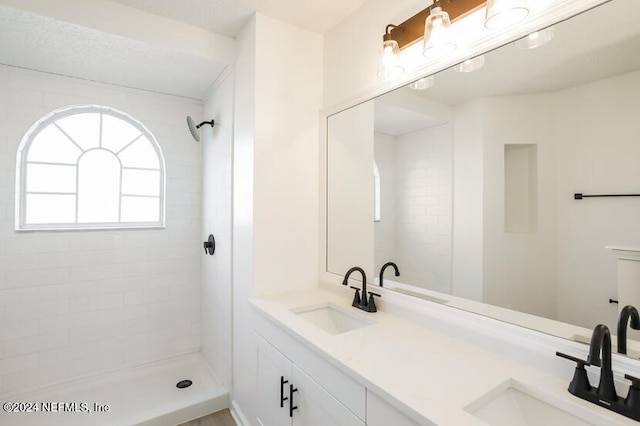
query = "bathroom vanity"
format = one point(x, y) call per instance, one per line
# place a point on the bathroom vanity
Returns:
point(319, 359)
point(297, 385)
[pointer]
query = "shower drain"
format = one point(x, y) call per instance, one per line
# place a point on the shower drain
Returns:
point(184, 384)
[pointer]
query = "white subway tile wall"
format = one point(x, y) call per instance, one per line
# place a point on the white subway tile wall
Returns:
point(81, 303)
point(416, 226)
point(424, 166)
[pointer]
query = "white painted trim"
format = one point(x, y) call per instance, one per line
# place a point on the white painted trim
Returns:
point(322, 190)
point(625, 253)
point(228, 71)
point(238, 415)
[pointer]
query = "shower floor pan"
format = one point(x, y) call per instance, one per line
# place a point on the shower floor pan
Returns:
point(145, 395)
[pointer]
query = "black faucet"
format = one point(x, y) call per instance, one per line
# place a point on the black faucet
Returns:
point(361, 302)
point(627, 313)
point(385, 267)
point(605, 394)
point(601, 342)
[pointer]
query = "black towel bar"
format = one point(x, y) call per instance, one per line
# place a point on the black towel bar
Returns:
point(580, 196)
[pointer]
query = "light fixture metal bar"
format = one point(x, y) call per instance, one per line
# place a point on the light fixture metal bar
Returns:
point(412, 30)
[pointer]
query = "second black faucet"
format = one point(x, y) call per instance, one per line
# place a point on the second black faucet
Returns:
point(605, 394)
point(628, 316)
point(385, 266)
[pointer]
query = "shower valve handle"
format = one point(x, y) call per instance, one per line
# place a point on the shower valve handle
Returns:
point(209, 245)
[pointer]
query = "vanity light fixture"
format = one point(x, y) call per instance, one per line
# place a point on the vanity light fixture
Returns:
point(430, 25)
point(537, 39)
point(422, 84)
point(390, 64)
point(471, 65)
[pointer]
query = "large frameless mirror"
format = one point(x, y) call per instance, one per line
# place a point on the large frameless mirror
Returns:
point(468, 184)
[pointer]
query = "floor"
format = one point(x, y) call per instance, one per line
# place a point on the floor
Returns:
point(221, 418)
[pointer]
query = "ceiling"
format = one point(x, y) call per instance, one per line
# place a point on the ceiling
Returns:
point(229, 16)
point(166, 46)
point(42, 43)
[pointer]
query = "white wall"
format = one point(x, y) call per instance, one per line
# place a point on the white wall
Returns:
point(288, 99)
point(597, 154)
point(524, 260)
point(468, 196)
point(80, 303)
point(278, 95)
point(217, 145)
point(244, 349)
point(559, 268)
point(352, 48)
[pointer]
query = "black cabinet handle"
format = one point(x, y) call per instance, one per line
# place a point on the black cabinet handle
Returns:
point(291, 406)
point(282, 397)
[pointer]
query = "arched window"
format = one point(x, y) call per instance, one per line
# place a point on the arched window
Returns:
point(89, 167)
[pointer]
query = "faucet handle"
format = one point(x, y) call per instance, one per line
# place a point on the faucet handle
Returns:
point(371, 306)
point(580, 381)
point(356, 297)
point(580, 362)
point(633, 397)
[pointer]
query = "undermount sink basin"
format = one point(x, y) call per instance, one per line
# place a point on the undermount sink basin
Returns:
point(512, 404)
point(331, 318)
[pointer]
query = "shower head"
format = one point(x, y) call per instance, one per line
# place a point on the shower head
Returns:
point(194, 129)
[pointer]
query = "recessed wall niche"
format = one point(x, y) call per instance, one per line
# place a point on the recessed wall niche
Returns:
point(520, 188)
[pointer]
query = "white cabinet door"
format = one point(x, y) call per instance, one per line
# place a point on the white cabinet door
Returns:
point(339, 384)
point(316, 407)
point(381, 413)
point(274, 378)
point(289, 397)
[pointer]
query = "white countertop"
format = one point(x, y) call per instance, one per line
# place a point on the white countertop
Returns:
point(424, 372)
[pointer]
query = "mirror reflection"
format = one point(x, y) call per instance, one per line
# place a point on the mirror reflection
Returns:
point(468, 184)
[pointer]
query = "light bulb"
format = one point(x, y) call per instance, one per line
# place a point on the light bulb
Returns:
point(537, 39)
point(471, 64)
point(437, 37)
point(423, 83)
point(390, 65)
point(503, 13)
point(389, 61)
